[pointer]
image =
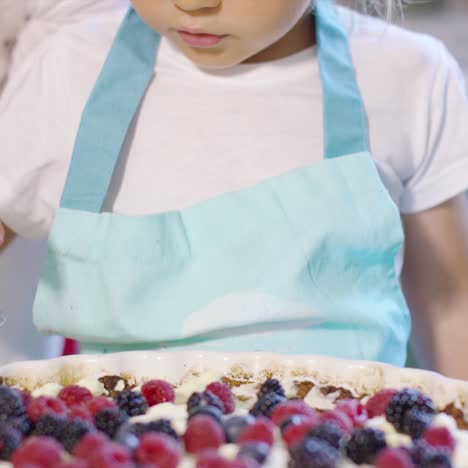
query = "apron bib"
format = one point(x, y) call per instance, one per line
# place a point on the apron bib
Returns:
point(300, 263)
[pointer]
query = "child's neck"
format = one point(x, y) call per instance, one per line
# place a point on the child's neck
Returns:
point(301, 37)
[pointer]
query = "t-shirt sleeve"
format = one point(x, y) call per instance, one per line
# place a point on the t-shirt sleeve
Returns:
point(442, 169)
point(34, 143)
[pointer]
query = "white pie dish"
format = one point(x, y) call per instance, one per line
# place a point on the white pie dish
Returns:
point(359, 377)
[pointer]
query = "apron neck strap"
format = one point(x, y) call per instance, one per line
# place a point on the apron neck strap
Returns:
point(129, 69)
point(344, 116)
point(109, 113)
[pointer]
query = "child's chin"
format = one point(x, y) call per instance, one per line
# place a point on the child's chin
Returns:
point(213, 58)
point(216, 64)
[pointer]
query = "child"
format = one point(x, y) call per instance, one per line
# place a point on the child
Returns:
point(205, 180)
point(26, 24)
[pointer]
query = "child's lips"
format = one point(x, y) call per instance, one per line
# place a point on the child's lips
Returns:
point(200, 39)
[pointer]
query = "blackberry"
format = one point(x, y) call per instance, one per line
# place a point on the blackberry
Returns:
point(23, 424)
point(205, 398)
point(50, 425)
point(328, 432)
point(314, 453)
point(133, 403)
point(364, 445)
point(109, 420)
point(257, 451)
point(215, 413)
point(126, 436)
point(160, 425)
point(266, 404)
point(419, 451)
point(194, 401)
point(271, 386)
point(415, 422)
point(10, 440)
point(438, 459)
point(11, 403)
point(424, 455)
point(73, 432)
point(235, 425)
point(404, 401)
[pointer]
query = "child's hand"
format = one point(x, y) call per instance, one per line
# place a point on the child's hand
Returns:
point(5, 236)
point(2, 234)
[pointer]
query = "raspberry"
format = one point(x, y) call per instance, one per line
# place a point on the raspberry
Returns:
point(266, 404)
point(26, 397)
point(10, 440)
point(294, 421)
point(210, 458)
point(328, 432)
point(393, 458)
point(158, 391)
point(32, 465)
point(162, 426)
point(377, 403)
point(262, 430)
point(415, 422)
point(354, 410)
point(440, 437)
point(50, 425)
point(95, 405)
point(80, 412)
point(109, 421)
point(235, 425)
point(291, 408)
point(111, 455)
point(11, 403)
point(313, 453)
point(257, 451)
point(223, 392)
point(295, 433)
point(45, 405)
point(243, 462)
point(159, 449)
point(364, 445)
point(133, 403)
point(271, 386)
point(91, 442)
point(402, 402)
point(342, 420)
point(74, 395)
point(71, 464)
point(203, 399)
point(203, 433)
point(38, 451)
point(73, 432)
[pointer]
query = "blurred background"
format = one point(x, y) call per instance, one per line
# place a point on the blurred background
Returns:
point(445, 19)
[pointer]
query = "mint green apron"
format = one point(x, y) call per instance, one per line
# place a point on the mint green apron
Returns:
point(299, 263)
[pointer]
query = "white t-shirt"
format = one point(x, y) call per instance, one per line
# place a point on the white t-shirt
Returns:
point(48, 16)
point(200, 134)
point(13, 16)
